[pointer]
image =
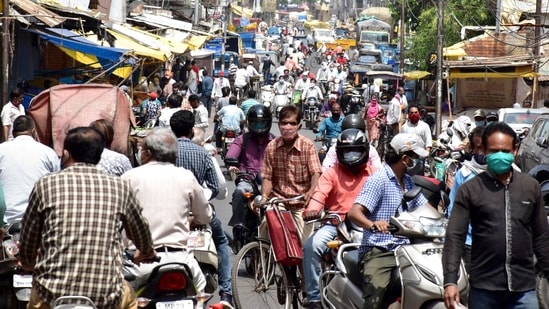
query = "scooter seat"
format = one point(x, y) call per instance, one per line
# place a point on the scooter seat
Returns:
point(350, 259)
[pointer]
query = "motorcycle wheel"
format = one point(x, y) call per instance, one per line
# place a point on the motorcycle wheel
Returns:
point(258, 281)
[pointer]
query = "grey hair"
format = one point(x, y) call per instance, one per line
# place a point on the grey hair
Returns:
point(198, 136)
point(162, 144)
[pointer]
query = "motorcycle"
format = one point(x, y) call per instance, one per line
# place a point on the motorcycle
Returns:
point(310, 112)
point(355, 104)
point(267, 95)
point(416, 282)
point(227, 139)
point(246, 232)
point(16, 285)
point(169, 285)
point(73, 302)
point(443, 163)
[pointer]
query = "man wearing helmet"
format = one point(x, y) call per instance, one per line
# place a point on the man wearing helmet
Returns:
point(380, 198)
point(335, 193)
point(249, 149)
point(351, 121)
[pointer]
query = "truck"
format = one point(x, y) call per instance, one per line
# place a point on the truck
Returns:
point(370, 30)
point(322, 36)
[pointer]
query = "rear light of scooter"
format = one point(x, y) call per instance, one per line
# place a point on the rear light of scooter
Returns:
point(229, 134)
point(248, 195)
point(172, 281)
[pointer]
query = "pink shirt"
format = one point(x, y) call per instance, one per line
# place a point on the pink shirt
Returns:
point(338, 188)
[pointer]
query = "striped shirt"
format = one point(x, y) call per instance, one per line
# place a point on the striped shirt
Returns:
point(382, 196)
point(290, 170)
point(197, 160)
point(73, 218)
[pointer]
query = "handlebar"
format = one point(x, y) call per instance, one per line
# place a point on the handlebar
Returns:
point(326, 217)
point(276, 200)
point(392, 229)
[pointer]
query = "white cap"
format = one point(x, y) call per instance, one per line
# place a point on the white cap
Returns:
point(404, 142)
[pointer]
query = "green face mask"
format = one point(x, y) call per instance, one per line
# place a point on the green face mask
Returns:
point(500, 162)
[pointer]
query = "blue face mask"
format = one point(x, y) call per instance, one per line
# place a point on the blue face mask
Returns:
point(500, 162)
point(480, 158)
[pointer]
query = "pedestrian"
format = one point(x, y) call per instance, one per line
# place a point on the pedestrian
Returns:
point(509, 227)
point(372, 122)
point(417, 127)
point(70, 233)
point(380, 198)
point(207, 88)
point(200, 112)
point(12, 110)
point(394, 112)
point(23, 161)
point(112, 162)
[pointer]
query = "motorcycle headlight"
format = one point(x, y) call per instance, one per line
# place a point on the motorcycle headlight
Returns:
point(434, 227)
point(267, 104)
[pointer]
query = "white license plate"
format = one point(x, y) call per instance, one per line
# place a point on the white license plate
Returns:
point(229, 140)
point(180, 304)
point(22, 281)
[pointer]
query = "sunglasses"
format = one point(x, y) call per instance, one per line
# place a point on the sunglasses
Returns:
point(292, 123)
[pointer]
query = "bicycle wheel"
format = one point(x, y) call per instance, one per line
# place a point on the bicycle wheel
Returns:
point(258, 281)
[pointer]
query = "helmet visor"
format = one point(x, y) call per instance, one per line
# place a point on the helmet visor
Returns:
point(259, 125)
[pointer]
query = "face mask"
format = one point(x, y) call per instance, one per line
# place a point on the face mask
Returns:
point(479, 124)
point(480, 158)
point(336, 116)
point(500, 162)
point(489, 123)
point(414, 163)
point(414, 118)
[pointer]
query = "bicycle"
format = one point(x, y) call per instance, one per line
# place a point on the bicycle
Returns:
point(262, 280)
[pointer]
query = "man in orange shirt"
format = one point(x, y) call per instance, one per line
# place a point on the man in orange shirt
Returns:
point(336, 192)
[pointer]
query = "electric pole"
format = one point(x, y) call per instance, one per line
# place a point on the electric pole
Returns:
point(440, 42)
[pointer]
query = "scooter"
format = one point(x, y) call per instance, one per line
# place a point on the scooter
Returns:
point(267, 95)
point(280, 100)
point(416, 282)
point(200, 242)
point(310, 112)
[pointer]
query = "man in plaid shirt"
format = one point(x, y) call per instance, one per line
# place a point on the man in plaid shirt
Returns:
point(291, 166)
point(70, 237)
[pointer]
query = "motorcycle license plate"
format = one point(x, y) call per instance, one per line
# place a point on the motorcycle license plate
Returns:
point(229, 139)
point(22, 281)
point(180, 304)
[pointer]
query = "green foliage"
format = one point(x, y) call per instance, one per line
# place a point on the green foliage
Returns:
point(421, 18)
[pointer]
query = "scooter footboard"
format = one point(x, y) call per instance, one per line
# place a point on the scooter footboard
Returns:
point(342, 293)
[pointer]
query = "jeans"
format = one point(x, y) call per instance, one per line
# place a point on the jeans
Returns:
point(483, 299)
point(207, 101)
point(239, 202)
point(313, 250)
point(222, 247)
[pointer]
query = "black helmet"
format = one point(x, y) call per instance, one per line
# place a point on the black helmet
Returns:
point(353, 121)
point(352, 148)
point(259, 119)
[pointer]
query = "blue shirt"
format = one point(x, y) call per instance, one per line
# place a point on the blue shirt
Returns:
point(197, 160)
point(382, 196)
point(231, 116)
point(207, 86)
point(246, 105)
point(331, 127)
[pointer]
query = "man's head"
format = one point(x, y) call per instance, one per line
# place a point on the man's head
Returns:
point(475, 140)
point(413, 114)
point(205, 72)
point(174, 101)
point(405, 150)
point(252, 94)
point(82, 145)
point(16, 96)
point(289, 122)
point(352, 149)
point(23, 125)
point(194, 100)
point(159, 145)
point(182, 123)
point(480, 118)
point(401, 90)
point(500, 144)
point(286, 72)
point(221, 74)
point(233, 100)
point(336, 111)
point(106, 129)
point(491, 117)
point(152, 95)
point(169, 74)
point(353, 121)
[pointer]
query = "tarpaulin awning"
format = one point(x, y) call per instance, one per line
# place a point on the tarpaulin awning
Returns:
point(241, 11)
point(524, 70)
point(415, 75)
point(455, 52)
point(196, 41)
point(74, 41)
point(315, 24)
point(123, 41)
point(36, 10)
point(172, 45)
point(166, 22)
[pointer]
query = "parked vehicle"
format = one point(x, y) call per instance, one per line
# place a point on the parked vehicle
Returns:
point(417, 282)
point(533, 149)
point(519, 119)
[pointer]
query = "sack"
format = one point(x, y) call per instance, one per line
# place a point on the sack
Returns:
point(284, 237)
point(199, 239)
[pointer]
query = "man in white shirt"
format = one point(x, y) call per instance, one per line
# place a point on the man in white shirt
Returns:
point(218, 84)
point(192, 80)
point(200, 112)
point(418, 127)
point(12, 110)
point(394, 112)
point(242, 78)
point(155, 184)
point(22, 162)
point(280, 70)
point(173, 105)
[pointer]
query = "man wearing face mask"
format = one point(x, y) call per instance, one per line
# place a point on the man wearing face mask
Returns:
point(509, 227)
point(415, 126)
point(380, 198)
point(491, 117)
point(331, 126)
point(479, 119)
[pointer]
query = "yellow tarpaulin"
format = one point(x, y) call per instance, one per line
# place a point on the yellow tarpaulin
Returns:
point(91, 60)
point(241, 11)
point(125, 42)
point(174, 46)
point(415, 75)
point(196, 41)
point(520, 71)
point(454, 52)
point(316, 24)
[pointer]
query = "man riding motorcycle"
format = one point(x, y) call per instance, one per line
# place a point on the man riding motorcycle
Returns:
point(330, 128)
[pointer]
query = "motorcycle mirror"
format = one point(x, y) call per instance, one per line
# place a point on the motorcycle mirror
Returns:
point(257, 200)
